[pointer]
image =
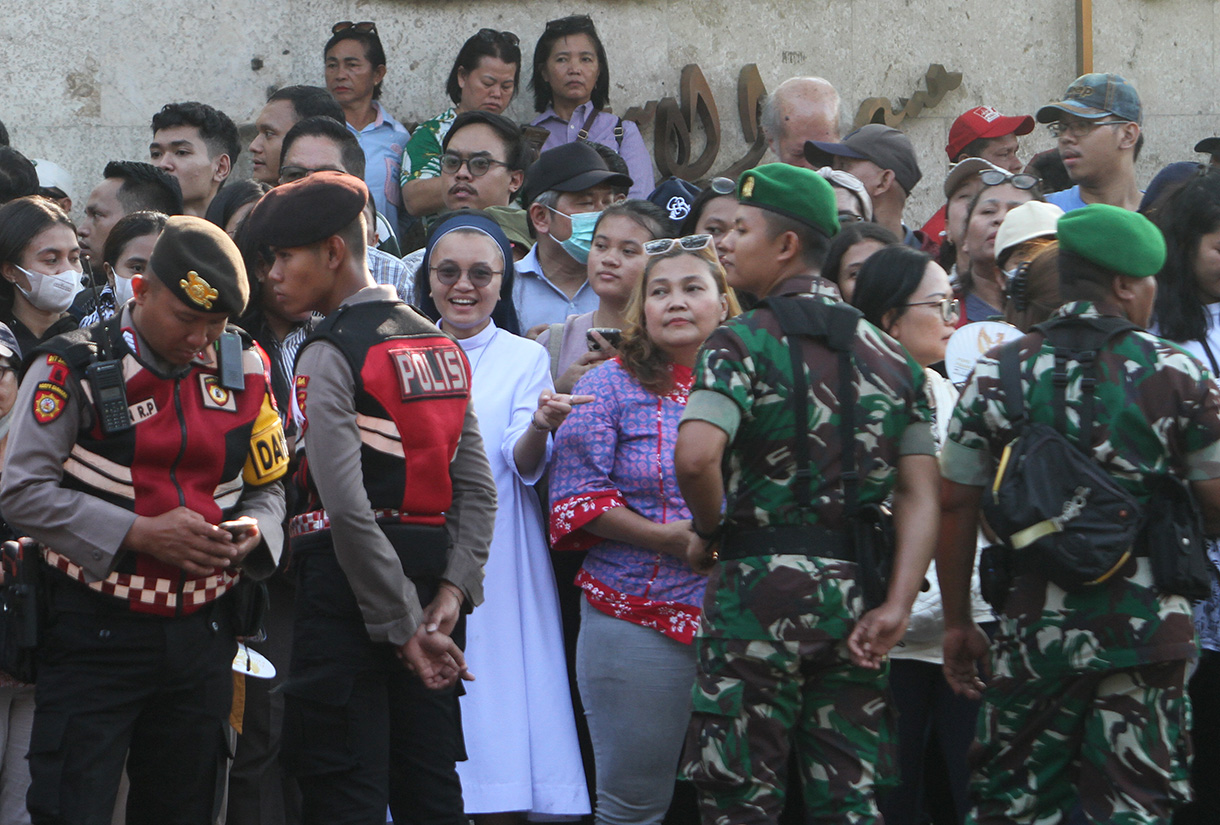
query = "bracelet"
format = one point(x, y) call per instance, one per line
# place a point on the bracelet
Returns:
point(534, 424)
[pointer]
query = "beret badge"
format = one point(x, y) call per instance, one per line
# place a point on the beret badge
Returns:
point(198, 290)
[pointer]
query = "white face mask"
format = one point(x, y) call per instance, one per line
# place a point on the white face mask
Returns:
point(51, 293)
point(122, 291)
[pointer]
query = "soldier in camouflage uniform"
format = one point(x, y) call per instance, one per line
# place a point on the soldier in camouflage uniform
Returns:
point(787, 655)
point(1085, 705)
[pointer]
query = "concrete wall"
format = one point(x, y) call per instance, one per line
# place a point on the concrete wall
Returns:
point(84, 82)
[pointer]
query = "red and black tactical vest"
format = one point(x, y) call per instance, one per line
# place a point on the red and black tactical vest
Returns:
point(412, 389)
point(194, 443)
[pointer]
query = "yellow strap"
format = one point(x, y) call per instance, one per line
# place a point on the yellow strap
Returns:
point(1024, 538)
point(999, 473)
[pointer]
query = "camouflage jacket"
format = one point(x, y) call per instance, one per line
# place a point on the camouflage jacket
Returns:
point(1156, 412)
point(747, 360)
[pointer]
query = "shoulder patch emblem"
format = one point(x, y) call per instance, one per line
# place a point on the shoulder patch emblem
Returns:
point(49, 402)
point(215, 395)
point(302, 385)
point(198, 290)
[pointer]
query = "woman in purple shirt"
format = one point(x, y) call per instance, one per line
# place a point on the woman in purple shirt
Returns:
point(613, 491)
point(571, 85)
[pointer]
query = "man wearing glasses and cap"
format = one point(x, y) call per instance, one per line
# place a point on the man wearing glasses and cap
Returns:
point(785, 643)
point(145, 457)
point(1098, 125)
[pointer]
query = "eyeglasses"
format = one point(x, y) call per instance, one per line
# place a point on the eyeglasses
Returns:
point(571, 24)
point(479, 165)
point(722, 186)
point(691, 243)
point(493, 35)
point(994, 177)
point(1081, 128)
point(479, 275)
point(950, 308)
point(290, 173)
point(364, 27)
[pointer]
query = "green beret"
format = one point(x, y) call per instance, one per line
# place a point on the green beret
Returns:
point(308, 210)
point(201, 265)
point(792, 191)
point(1113, 238)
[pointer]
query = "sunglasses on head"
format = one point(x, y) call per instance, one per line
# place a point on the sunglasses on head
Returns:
point(364, 27)
point(722, 186)
point(994, 177)
point(691, 243)
point(494, 34)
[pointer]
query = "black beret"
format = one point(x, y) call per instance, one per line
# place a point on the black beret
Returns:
point(201, 265)
point(308, 210)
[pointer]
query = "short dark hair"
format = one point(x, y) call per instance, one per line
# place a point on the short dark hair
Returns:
point(18, 177)
point(128, 228)
point(614, 162)
point(234, 197)
point(814, 244)
point(145, 187)
point(887, 280)
point(327, 127)
point(1082, 280)
point(374, 52)
point(848, 237)
point(216, 129)
point(564, 27)
point(485, 43)
point(3, 134)
point(973, 149)
point(517, 151)
point(1048, 166)
point(309, 101)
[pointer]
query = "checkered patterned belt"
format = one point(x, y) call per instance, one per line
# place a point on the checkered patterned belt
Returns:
point(317, 520)
point(157, 594)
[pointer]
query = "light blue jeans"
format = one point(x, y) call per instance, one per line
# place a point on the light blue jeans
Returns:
point(635, 684)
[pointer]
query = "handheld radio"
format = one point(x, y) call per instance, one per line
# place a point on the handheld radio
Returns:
point(105, 376)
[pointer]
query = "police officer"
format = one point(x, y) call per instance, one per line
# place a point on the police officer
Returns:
point(401, 507)
point(1086, 701)
point(787, 654)
point(145, 457)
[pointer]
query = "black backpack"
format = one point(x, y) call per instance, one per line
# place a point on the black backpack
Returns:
point(1060, 514)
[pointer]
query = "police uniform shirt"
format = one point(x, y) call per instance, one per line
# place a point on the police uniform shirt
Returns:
point(84, 528)
point(387, 597)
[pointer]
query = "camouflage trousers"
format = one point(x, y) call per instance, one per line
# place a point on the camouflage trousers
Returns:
point(756, 699)
point(1115, 742)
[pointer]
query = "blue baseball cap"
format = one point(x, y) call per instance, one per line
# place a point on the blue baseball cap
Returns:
point(1093, 96)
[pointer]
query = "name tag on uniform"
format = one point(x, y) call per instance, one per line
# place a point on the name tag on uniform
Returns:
point(429, 372)
point(142, 410)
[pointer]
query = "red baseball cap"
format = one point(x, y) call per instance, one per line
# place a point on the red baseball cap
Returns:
point(984, 122)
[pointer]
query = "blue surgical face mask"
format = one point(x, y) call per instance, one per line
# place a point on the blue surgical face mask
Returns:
point(581, 240)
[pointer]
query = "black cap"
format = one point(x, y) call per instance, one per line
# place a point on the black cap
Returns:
point(308, 210)
point(201, 265)
point(1210, 145)
point(573, 167)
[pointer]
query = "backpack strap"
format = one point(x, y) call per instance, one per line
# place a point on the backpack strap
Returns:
point(836, 325)
point(1081, 340)
point(554, 344)
point(1010, 383)
point(583, 134)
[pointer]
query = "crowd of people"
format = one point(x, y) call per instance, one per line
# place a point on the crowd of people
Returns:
point(462, 471)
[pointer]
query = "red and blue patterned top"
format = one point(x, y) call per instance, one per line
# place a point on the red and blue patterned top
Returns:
point(618, 451)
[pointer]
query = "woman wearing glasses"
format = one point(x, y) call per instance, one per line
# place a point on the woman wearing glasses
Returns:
point(484, 78)
point(982, 284)
point(614, 493)
point(907, 294)
point(355, 68)
point(571, 84)
point(517, 718)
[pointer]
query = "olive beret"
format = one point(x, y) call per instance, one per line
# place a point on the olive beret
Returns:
point(1116, 239)
point(792, 191)
point(308, 210)
point(201, 265)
